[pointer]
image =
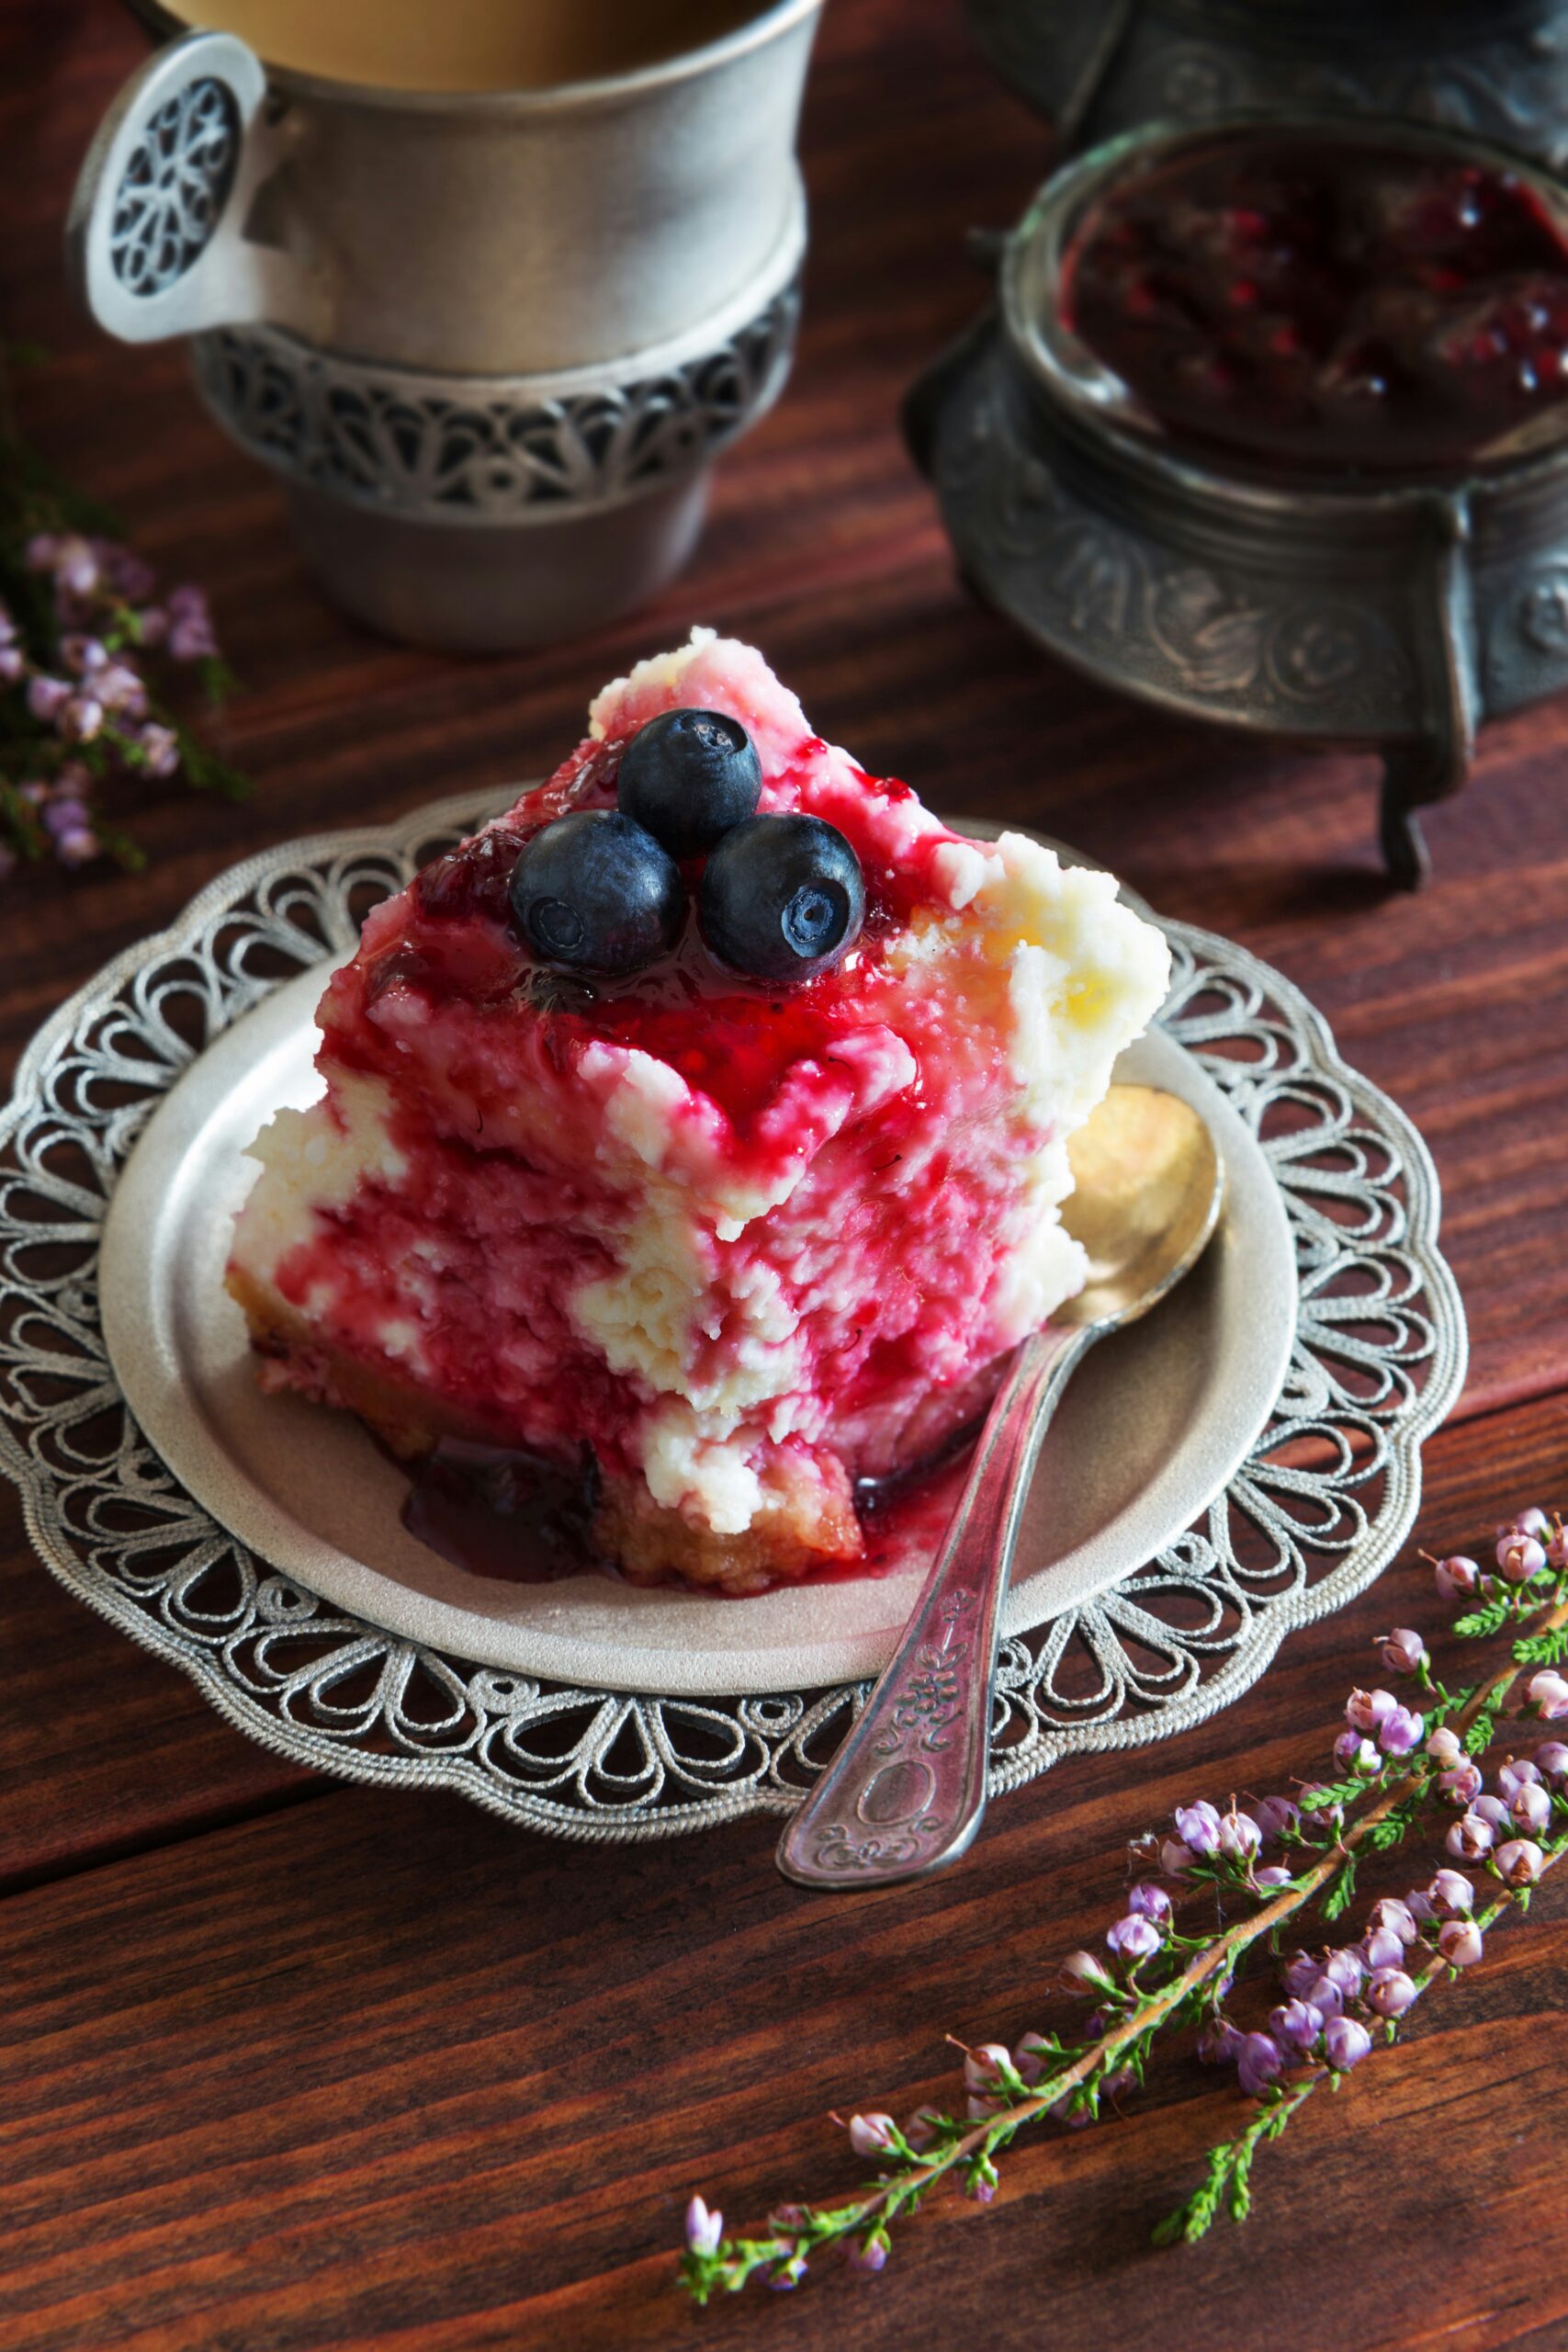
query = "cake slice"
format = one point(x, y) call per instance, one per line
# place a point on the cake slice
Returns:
point(736, 1229)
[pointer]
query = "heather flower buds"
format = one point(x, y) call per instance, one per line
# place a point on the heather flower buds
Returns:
point(986, 2067)
point(1444, 1748)
point(1551, 1758)
point(1220, 2043)
point(1239, 1835)
point(1084, 1972)
point(1460, 1943)
point(1515, 1775)
point(1134, 1937)
point(870, 2255)
point(1276, 1874)
point(1381, 1948)
point(1401, 1732)
point(704, 2229)
point(1345, 2043)
point(1030, 2058)
point(1175, 1859)
point(1276, 1815)
point(1364, 1710)
point(1150, 1899)
point(1343, 1970)
point(1198, 1826)
point(1397, 1918)
point(1402, 1651)
point(1520, 1862)
point(1492, 1810)
point(1457, 1578)
point(1519, 1558)
point(1295, 2025)
point(1449, 1895)
point(1258, 2064)
point(1546, 1696)
point(875, 2135)
point(1462, 1786)
point(1357, 1754)
point(1300, 1974)
point(1390, 1992)
point(1468, 1839)
point(1531, 1808)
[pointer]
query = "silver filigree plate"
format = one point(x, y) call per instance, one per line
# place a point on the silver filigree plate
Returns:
point(1324, 1499)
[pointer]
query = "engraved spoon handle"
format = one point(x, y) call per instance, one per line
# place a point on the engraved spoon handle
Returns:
point(906, 1792)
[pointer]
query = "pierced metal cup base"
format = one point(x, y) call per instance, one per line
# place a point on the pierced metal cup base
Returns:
point(496, 590)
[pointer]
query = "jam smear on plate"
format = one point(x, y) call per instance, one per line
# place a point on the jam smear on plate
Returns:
point(1329, 305)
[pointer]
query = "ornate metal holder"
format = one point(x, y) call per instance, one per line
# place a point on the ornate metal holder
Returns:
point(491, 343)
point(1392, 618)
point(1322, 1502)
point(1498, 68)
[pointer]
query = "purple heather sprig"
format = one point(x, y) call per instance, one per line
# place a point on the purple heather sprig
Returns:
point(85, 645)
point(1405, 1768)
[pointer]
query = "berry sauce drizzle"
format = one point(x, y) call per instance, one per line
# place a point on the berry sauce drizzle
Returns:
point(1329, 305)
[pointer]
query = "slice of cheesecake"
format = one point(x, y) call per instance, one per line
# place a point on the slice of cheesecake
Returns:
point(749, 1204)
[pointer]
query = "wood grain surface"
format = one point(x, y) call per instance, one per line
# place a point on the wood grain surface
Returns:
point(286, 2064)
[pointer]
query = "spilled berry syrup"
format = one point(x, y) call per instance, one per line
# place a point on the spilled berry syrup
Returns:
point(1328, 306)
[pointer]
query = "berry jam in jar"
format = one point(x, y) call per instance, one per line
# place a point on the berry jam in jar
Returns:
point(1330, 305)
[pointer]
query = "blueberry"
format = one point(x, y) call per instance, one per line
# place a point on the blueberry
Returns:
point(688, 776)
point(593, 892)
point(782, 898)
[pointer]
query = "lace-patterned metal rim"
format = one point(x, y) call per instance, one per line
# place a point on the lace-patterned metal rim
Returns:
point(1322, 1504)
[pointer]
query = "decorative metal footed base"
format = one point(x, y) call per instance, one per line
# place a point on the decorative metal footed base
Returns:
point(1322, 1504)
point(479, 513)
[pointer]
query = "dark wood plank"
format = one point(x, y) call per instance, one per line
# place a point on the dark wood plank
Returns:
point(380, 2072)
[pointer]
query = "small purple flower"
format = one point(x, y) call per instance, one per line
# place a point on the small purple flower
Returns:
point(1258, 2064)
point(39, 552)
point(161, 751)
point(985, 2068)
point(1345, 2043)
point(1326, 1816)
point(127, 575)
point(1450, 1893)
point(1344, 1969)
point(75, 566)
point(868, 2257)
point(1134, 1937)
point(985, 2189)
point(1151, 1899)
point(120, 691)
point(788, 2274)
point(46, 698)
point(1239, 1835)
point(1519, 1558)
point(873, 2135)
point(1030, 2058)
point(1519, 1863)
point(1468, 1839)
point(1382, 1949)
point(1551, 1758)
point(63, 816)
point(1390, 1992)
point(1514, 1774)
point(1492, 1810)
point(1300, 1974)
point(1220, 2043)
point(1462, 1785)
point(1397, 1918)
point(1421, 1906)
point(191, 625)
point(152, 626)
point(1457, 1578)
point(977, 2110)
point(1083, 1970)
point(1198, 1826)
point(1460, 1943)
point(704, 2230)
point(924, 2126)
point(1547, 1694)
point(1276, 1816)
point(1444, 1748)
point(1364, 1710)
point(81, 718)
point(1326, 1995)
point(1402, 1651)
point(1295, 2025)
point(1531, 1808)
point(1401, 1732)
point(1533, 1521)
point(79, 848)
point(81, 653)
point(1356, 1753)
point(13, 664)
point(1175, 1859)
point(1274, 1874)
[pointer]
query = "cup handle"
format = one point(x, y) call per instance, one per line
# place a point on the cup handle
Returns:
point(155, 240)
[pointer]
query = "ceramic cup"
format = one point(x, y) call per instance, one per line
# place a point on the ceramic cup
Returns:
point(491, 341)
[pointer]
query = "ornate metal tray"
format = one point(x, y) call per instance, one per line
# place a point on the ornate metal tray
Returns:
point(1325, 1497)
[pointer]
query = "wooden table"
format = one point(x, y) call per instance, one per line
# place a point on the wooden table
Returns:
point(288, 2062)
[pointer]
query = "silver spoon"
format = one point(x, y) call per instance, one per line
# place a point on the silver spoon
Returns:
point(906, 1792)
